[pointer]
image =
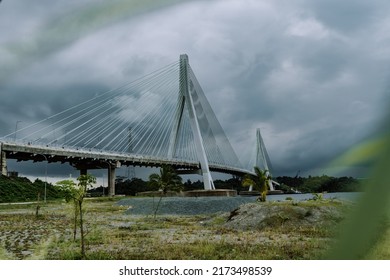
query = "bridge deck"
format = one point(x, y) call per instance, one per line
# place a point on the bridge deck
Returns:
point(96, 159)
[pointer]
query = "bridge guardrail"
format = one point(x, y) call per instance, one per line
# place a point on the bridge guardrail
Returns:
point(134, 157)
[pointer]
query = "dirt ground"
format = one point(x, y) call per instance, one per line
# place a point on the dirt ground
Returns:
point(253, 231)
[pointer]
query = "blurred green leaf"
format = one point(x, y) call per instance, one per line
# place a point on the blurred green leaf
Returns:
point(368, 223)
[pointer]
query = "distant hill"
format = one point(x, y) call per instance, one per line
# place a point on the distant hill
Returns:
point(21, 189)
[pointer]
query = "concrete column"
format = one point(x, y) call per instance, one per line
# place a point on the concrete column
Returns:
point(83, 171)
point(187, 90)
point(3, 162)
point(111, 180)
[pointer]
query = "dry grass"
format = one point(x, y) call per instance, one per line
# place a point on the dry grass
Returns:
point(114, 235)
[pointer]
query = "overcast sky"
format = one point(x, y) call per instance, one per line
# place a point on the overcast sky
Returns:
point(312, 75)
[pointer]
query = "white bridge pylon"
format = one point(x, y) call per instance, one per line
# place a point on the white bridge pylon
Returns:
point(186, 98)
point(262, 158)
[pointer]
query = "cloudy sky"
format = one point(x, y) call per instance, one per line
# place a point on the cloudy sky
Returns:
point(312, 75)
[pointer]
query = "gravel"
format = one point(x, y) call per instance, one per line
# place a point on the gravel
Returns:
point(183, 205)
point(208, 205)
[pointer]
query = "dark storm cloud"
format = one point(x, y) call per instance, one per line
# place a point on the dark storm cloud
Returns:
point(51, 26)
point(28, 105)
point(347, 16)
point(321, 83)
point(311, 74)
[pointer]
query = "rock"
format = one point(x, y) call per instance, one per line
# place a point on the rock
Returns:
point(262, 215)
point(26, 253)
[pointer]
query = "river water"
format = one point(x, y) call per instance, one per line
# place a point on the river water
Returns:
point(349, 196)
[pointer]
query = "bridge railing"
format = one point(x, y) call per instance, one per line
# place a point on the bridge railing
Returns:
point(132, 156)
point(94, 151)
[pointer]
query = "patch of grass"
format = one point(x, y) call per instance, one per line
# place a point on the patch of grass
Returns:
point(382, 250)
point(22, 234)
point(62, 249)
point(315, 231)
point(4, 254)
point(225, 250)
point(40, 250)
point(218, 220)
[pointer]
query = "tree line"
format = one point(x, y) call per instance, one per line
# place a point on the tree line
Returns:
point(318, 184)
point(22, 189)
point(311, 184)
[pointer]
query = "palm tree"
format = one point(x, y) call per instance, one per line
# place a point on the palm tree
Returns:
point(260, 182)
point(167, 180)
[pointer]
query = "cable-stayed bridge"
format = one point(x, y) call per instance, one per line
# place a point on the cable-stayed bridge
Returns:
point(161, 118)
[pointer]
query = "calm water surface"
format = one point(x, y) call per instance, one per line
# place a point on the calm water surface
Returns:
point(350, 196)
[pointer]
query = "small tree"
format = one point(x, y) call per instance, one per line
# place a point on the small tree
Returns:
point(38, 205)
point(167, 180)
point(76, 193)
point(260, 182)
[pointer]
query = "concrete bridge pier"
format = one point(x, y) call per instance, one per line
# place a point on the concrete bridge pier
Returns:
point(83, 171)
point(111, 177)
point(111, 172)
point(3, 161)
point(111, 180)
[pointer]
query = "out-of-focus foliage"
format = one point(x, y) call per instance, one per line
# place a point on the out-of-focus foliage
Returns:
point(370, 221)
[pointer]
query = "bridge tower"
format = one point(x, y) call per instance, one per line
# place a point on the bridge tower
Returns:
point(3, 161)
point(262, 159)
point(187, 94)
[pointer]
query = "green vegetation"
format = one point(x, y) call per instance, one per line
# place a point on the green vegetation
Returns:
point(368, 226)
point(23, 235)
point(319, 184)
point(259, 182)
point(132, 187)
point(20, 189)
point(167, 180)
point(76, 193)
